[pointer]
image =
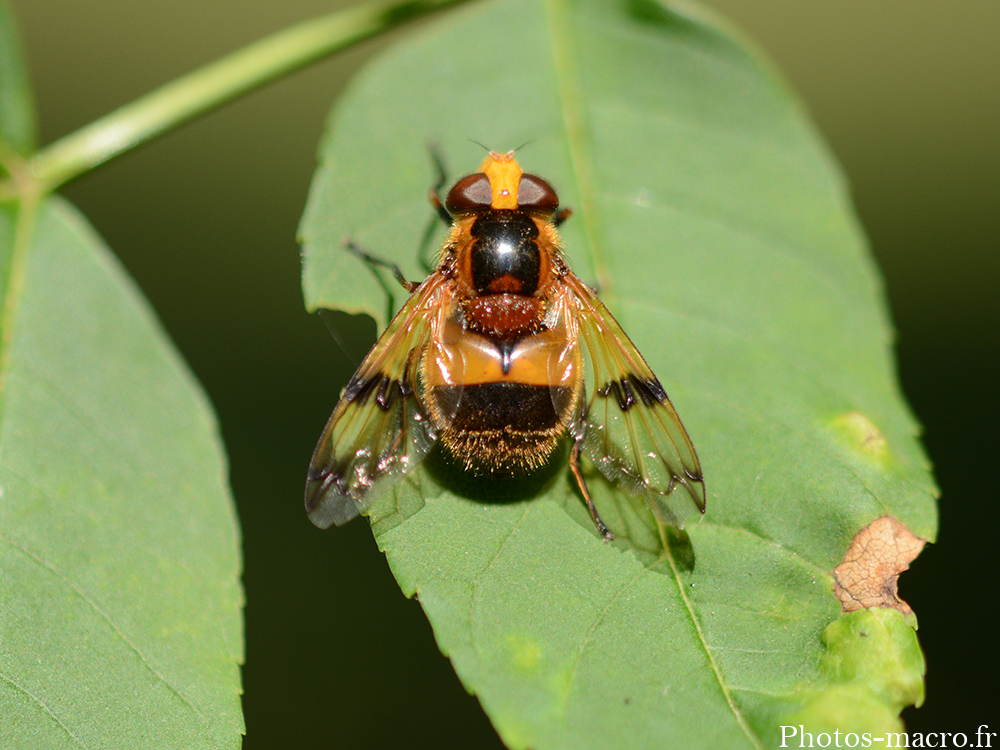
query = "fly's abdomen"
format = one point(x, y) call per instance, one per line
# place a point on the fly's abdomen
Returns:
point(502, 406)
point(506, 427)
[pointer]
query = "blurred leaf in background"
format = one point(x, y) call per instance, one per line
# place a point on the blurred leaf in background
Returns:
point(120, 601)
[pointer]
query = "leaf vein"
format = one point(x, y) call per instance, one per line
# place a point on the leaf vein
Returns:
point(42, 705)
point(473, 600)
point(107, 618)
point(776, 244)
point(777, 543)
point(596, 624)
point(72, 407)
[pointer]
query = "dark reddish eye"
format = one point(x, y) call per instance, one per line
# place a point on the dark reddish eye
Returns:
point(535, 194)
point(471, 193)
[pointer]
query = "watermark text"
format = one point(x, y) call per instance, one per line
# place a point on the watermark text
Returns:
point(797, 736)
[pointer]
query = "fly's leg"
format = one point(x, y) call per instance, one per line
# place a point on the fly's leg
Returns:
point(574, 466)
point(434, 194)
point(373, 260)
point(440, 212)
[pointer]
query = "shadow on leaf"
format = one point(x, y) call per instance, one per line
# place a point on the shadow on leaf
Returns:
point(492, 488)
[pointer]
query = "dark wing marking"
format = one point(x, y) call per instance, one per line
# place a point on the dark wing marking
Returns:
point(632, 432)
point(379, 430)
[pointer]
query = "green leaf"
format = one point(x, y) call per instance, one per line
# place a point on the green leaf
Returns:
point(720, 233)
point(119, 564)
point(17, 110)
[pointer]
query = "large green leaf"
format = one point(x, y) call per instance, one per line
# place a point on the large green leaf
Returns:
point(119, 566)
point(720, 233)
point(119, 551)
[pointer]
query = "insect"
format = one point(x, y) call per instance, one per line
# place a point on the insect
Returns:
point(500, 355)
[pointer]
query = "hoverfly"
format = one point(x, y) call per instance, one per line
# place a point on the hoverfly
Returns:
point(487, 358)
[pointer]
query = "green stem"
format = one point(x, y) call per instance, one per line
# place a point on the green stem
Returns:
point(219, 82)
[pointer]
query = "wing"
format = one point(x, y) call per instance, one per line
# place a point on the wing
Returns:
point(380, 429)
point(631, 431)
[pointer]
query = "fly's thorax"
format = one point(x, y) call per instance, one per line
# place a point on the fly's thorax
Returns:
point(504, 256)
point(504, 252)
point(506, 264)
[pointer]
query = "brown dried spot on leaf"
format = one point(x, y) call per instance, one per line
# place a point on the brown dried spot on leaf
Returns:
point(877, 555)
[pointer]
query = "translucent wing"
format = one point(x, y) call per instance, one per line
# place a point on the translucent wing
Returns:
point(380, 429)
point(631, 431)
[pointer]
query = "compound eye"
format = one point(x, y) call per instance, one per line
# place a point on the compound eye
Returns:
point(471, 193)
point(535, 194)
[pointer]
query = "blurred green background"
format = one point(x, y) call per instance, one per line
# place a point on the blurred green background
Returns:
point(907, 95)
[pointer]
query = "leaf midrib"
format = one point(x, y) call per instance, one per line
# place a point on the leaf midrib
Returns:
point(581, 159)
point(571, 106)
point(696, 626)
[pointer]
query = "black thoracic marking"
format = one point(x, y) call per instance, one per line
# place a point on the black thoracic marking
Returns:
point(386, 390)
point(495, 406)
point(626, 389)
point(505, 246)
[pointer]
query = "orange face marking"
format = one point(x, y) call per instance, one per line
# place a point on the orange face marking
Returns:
point(505, 174)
